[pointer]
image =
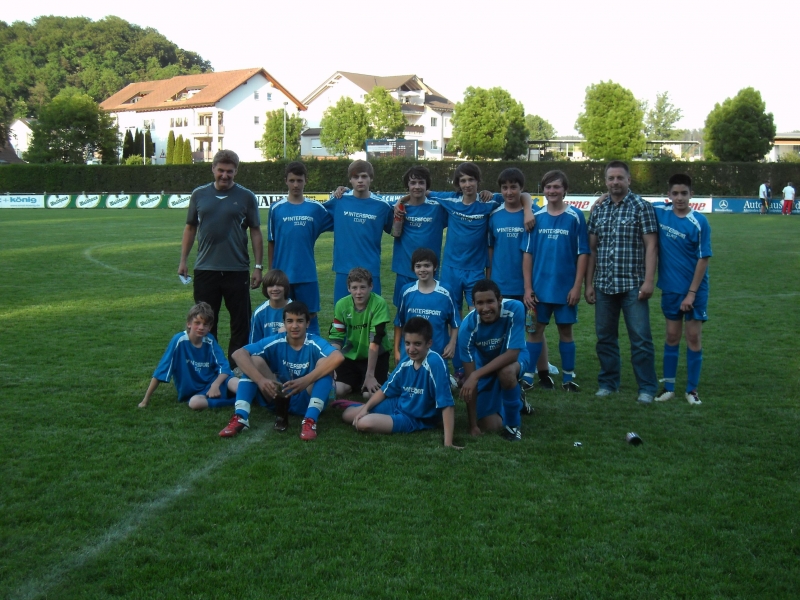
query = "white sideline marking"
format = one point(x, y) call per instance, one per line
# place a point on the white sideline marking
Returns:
point(137, 517)
point(87, 254)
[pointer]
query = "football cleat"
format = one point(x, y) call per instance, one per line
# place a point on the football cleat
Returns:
point(692, 397)
point(308, 431)
point(527, 381)
point(570, 386)
point(511, 434)
point(235, 426)
point(546, 383)
point(281, 424)
point(665, 395)
point(459, 377)
point(526, 409)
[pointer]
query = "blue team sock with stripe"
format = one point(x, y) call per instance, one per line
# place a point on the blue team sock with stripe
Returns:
point(694, 362)
point(534, 352)
point(244, 397)
point(511, 406)
point(670, 366)
point(320, 393)
point(219, 402)
point(567, 351)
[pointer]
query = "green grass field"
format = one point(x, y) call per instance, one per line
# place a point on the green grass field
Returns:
point(100, 499)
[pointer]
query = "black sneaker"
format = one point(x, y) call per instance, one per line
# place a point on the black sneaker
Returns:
point(511, 434)
point(546, 383)
point(570, 386)
point(526, 409)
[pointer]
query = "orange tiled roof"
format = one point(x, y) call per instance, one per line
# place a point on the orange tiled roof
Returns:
point(160, 94)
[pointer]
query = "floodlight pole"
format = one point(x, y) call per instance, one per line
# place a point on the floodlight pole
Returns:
point(285, 104)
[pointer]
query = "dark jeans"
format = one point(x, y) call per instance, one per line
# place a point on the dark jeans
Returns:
point(234, 288)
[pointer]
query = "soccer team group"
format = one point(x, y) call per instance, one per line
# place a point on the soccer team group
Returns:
point(515, 266)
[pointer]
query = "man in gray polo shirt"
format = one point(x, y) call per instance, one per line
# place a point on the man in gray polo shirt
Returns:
point(219, 215)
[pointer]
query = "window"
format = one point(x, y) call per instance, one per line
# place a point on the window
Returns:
point(255, 120)
point(269, 96)
point(434, 145)
point(172, 122)
point(446, 122)
point(185, 121)
point(434, 121)
point(255, 144)
point(316, 144)
point(255, 95)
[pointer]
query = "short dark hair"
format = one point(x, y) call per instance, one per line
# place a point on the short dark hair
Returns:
point(552, 176)
point(466, 168)
point(680, 179)
point(486, 285)
point(295, 168)
point(419, 326)
point(617, 164)
point(421, 254)
point(511, 175)
point(417, 172)
point(297, 308)
point(276, 277)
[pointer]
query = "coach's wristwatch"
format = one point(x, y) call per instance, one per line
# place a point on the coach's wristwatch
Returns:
point(259, 267)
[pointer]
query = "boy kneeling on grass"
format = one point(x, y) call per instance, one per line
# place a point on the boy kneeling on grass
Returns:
point(417, 394)
point(196, 364)
point(301, 361)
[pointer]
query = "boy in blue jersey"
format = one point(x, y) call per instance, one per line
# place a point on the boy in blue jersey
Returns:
point(555, 255)
point(428, 299)
point(684, 247)
point(417, 394)
point(268, 318)
point(292, 230)
point(196, 364)
point(491, 341)
point(359, 220)
point(303, 363)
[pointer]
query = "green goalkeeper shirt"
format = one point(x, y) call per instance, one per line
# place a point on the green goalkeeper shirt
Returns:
point(355, 330)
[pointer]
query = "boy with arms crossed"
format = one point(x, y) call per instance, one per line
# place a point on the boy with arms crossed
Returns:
point(303, 363)
point(417, 394)
point(196, 364)
point(359, 331)
point(554, 263)
point(492, 344)
point(292, 230)
point(684, 247)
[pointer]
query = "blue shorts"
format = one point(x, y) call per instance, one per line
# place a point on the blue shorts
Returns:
point(564, 313)
point(401, 422)
point(340, 286)
point(307, 293)
point(400, 282)
point(671, 307)
point(459, 282)
point(224, 392)
point(489, 399)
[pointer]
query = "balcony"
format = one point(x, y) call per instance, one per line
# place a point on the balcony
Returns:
point(415, 129)
point(412, 108)
point(206, 130)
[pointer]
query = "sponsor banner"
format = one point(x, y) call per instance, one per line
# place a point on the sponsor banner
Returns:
point(748, 206)
point(118, 201)
point(88, 200)
point(178, 200)
point(60, 201)
point(148, 201)
point(22, 201)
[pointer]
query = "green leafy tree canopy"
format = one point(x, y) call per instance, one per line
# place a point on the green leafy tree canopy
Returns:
point(660, 121)
point(539, 128)
point(489, 124)
point(386, 118)
point(271, 143)
point(345, 127)
point(612, 123)
point(739, 129)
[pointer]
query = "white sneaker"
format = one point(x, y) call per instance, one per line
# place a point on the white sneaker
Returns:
point(644, 398)
point(692, 398)
point(665, 395)
point(603, 392)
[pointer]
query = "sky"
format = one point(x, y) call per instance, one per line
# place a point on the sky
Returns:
point(544, 53)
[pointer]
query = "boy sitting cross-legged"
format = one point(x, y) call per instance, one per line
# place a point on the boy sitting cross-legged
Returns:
point(303, 363)
point(417, 394)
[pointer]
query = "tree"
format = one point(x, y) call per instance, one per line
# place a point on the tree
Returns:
point(187, 152)
point(71, 129)
point(345, 127)
point(170, 147)
point(739, 129)
point(660, 121)
point(149, 145)
point(386, 118)
point(177, 157)
point(612, 123)
point(271, 142)
point(489, 124)
point(127, 145)
point(539, 128)
point(138, 144)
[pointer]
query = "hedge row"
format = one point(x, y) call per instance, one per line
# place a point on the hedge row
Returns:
point(710, 178)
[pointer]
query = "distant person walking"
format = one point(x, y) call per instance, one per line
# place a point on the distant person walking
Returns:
point(788, 199)
point(764, 196)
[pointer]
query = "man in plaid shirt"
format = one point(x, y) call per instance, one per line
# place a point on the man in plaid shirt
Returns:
point(623, 237)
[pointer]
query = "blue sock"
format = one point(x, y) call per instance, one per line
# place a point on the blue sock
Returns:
point(219, 402)
point(670, 366)
point(567, 351)
point(320, 393)
point(244, 397)
point(534, 351)
point(694, 362)
point(457, 363)
point(511, 406)
point(313, 325)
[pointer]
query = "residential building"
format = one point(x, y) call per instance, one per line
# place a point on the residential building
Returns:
point(20, 135)
point(428, 114)
point(785, 144)
point(214, 111)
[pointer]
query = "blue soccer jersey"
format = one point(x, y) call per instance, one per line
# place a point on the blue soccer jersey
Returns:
point(481, 343)
point(358, 226)
point(286, 362)
point(266, 322)
point(423, 228)
point(436, 307)
point(422, 392)
point(555, 243)
point(191, 369)
point(505, 235)
point(467, 224)
point(682, 241)
point(294, 229)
